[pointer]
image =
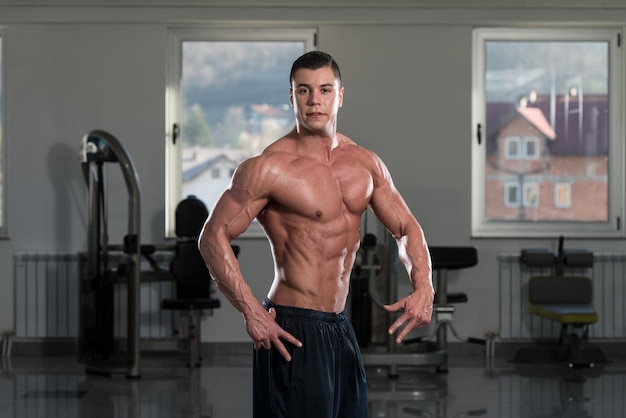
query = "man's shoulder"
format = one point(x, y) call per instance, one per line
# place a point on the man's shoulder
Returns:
point(271, 161)
point(354, 149)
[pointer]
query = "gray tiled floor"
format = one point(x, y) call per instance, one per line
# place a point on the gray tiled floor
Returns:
point(57, 386)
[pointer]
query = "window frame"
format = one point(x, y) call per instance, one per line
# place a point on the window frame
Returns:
point(516, 141)
point(480, 226)
point(526, 140)
point(3, 136)
point(531, 189)
point(512, 187)
point(562, 189)
point(176, 36)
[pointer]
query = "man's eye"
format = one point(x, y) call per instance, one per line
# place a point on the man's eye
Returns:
point(327, 91)
point(303, 91)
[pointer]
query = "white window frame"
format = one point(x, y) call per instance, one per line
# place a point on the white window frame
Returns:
point(507, 193)
point(176, 36)
point(527, 140)
point(3, 134)
point(481, 227)
point(507, 147)
point(531, 189)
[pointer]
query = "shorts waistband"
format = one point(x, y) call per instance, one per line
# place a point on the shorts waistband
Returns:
point(305, 313)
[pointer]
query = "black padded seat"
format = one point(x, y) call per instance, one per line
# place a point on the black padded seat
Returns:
point(453, 258)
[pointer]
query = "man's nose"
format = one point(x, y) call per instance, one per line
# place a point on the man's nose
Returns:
point(314, 97)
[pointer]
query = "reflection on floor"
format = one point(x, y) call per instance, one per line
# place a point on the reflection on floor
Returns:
point(57, 386)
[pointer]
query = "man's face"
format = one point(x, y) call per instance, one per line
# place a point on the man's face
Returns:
point(316, 98)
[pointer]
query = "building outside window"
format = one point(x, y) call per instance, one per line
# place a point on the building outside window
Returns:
point(547, 125)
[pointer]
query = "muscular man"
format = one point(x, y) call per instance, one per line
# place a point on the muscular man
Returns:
point(308, 191)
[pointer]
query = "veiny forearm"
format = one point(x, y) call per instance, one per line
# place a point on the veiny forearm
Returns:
point(414, 254)
point(224, 268)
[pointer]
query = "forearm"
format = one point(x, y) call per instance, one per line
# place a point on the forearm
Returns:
point(414, 254)
point(225, 272)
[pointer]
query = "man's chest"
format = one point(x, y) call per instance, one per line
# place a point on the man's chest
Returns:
point(324, 190)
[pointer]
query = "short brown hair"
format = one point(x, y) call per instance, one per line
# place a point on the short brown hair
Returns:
point(315, 60)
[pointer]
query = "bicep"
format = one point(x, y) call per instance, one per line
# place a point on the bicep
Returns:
point(388, 204)
point(237, 207)
point(391, 210)
point(234, 212)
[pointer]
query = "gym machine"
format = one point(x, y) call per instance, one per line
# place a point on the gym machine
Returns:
point(98, 274)
point(425, 351)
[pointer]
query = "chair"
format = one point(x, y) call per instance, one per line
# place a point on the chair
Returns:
point(443, 260)
point(194, 288)
point(566, 299)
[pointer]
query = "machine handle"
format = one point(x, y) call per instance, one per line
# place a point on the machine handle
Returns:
point(479, 134)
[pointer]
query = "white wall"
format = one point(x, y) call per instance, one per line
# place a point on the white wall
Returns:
point(407, 73)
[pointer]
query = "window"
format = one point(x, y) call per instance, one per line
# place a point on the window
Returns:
point(227, 99)
point(547, 128)
point(531, 195)
point(512, 195)
point(511, 148)
point(3, 157)
point(530, 147)
point(562, 195)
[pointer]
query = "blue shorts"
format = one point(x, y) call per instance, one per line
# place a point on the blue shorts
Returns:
point(325, 378)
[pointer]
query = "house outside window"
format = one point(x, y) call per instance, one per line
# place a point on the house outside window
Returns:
point(546, 114)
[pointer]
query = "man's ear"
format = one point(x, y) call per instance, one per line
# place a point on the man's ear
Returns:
point(341, 97)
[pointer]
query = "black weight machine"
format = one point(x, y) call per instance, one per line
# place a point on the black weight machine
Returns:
point(99, 272)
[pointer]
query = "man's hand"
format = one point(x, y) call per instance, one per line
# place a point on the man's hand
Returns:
point(264, 332)
point(417, 311)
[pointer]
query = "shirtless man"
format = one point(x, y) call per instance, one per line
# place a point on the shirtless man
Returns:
point(308, 191)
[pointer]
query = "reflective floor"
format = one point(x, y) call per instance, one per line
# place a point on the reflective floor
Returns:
point(57, 386)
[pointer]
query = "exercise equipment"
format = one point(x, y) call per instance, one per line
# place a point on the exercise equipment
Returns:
point(97, 348)
point(566, 299)
point(427, 352)
point(443, 260)
point(194, 290)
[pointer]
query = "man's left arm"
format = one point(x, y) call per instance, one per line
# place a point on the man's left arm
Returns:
point(393, 212)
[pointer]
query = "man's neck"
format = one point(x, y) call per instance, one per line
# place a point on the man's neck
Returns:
point(317, 144)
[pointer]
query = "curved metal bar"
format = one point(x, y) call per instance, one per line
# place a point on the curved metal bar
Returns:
point(100, 146)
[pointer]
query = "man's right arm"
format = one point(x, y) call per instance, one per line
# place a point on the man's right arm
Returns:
point(233, 213)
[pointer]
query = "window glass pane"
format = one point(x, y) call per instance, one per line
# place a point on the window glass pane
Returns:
point(531, 151)
point(235, 102)
point(562, 195)
point(555, 95)
point(511, 196)
point(531, 196)
point(511, 148)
